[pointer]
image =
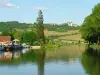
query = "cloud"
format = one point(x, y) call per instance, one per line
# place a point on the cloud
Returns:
point(41, 8)
point(6, 4)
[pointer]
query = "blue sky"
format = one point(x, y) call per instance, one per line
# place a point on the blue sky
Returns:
point(54, 11)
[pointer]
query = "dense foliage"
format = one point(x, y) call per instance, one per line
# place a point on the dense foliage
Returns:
point(7, 28)
point(29, 37)
point(60, 28)
point(4, 26)
point(91, 27)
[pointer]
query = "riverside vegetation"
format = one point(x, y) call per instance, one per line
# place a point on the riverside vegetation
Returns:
point(35, 34)
point(90, 28)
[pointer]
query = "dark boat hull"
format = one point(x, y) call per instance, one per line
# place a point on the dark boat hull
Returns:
point(13, 47)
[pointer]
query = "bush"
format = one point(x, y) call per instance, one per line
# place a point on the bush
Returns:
point(37, 43)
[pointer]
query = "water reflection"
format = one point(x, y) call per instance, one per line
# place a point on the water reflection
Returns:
point(91, 63)
point(41, 63)
point(65, 54)
point(5, 55)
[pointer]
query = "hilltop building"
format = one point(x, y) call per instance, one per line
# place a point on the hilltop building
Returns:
point(71, 24)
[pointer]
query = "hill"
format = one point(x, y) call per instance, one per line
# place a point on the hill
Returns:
point(60, 28)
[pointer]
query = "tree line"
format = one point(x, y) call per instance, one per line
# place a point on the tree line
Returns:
point(90, 28)
point(61, 27)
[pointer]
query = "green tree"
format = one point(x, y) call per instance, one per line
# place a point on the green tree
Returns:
point(28, 37)
point(5, 33)
point(17, 35)
point(40, 28)
point(90, 28)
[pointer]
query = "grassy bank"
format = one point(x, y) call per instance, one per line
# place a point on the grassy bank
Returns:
point(95, 47)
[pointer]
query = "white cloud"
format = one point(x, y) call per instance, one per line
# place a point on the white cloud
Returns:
point(6, 4)
point(41, 8)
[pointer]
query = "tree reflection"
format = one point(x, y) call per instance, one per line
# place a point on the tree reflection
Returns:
point(91, 63)
point(41, 62)
point(65, 54)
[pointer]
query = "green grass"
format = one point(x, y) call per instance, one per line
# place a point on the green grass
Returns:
point(95, 47)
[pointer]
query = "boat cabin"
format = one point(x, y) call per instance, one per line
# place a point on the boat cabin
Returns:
point(16, 42)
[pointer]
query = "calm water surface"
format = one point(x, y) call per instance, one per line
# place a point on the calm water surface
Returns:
point(68, 60)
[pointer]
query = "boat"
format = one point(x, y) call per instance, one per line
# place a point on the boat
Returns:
point(1, 48)
point(16, 44)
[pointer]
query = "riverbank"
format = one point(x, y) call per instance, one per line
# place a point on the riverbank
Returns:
point(66, 38)
point(95, 47)
point(93, 50)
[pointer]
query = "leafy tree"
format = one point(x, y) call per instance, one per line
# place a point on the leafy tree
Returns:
point(17, 35)
point(28, 37)
point(5, 33)
point(40, 28)
point(90, 28)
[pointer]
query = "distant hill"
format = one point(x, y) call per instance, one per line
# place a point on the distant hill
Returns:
point(60, 28)
point(6, 26)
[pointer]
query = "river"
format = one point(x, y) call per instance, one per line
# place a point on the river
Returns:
point(67, 60)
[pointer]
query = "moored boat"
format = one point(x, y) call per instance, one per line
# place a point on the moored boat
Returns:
point(1, 48)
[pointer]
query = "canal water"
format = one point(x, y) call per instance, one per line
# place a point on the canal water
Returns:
point(67, 60)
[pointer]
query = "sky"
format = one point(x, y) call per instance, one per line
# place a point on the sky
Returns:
point(54, 11)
